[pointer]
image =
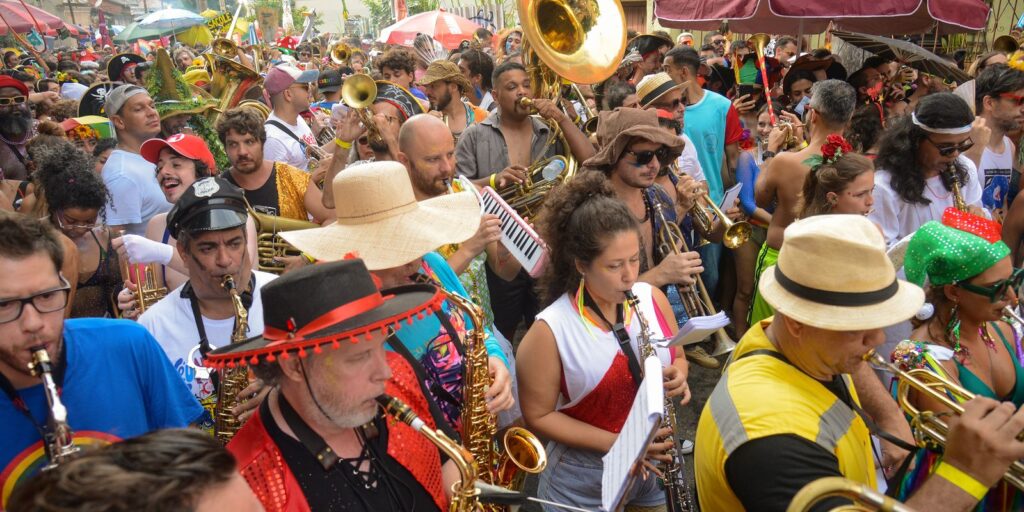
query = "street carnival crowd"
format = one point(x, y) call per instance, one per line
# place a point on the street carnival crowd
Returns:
point(334, 274)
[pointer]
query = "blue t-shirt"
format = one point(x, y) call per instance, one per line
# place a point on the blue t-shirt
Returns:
point(705, 124)
point(429, 343)
point(118, 384)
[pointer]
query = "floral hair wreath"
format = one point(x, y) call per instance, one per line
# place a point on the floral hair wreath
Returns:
point(833, 149)
point(1017, 61)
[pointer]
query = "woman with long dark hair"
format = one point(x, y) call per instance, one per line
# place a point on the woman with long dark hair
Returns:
point(920, 157)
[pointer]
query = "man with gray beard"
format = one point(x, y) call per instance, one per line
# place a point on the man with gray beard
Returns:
point(16, 128)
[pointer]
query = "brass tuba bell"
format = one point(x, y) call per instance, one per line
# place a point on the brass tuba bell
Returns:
point(340, 53)
point(224, 47)
point(582, 41)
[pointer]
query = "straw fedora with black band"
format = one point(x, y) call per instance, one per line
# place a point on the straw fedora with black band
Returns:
point(833, 274)
point(381, 221)
point(319, 307)
point(654, 86)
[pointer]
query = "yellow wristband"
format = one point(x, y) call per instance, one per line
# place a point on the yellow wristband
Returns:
point(342, 144)
point(493, 176)
point(965, 482)
point(308, 258)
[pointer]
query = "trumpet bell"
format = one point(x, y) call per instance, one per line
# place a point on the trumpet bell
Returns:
point(340, 53)
point(359, 91)
point(224, 47)
point(759, 41)
point(582, 41)
point(737, 235)
point(1005, 44)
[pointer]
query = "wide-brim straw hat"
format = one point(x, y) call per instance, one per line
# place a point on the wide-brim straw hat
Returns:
point(833, 274)
point(380, 221)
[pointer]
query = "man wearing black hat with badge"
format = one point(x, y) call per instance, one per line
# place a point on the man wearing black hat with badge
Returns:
point(208, 223)
point(319, 441)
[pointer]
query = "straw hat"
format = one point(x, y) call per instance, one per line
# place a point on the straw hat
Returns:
point(833, 274)
point(380, 221)
point(652, 87)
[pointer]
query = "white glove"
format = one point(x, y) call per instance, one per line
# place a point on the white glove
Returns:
point(143, 250)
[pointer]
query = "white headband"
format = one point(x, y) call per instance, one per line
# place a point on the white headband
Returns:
point(945, 131)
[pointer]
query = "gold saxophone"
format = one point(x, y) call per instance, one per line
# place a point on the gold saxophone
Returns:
point(232, 380)
point(521, 451)
point(954, 188)
point(465, 497)
point(59, 442)
point(864, 497)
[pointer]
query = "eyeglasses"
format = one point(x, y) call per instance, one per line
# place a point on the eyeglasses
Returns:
point(644, 157)
point(997, 291)
point(63, 223)
point(672, 105)
point(47, 301)
point(1017, 99)
point(14, 100)
point(718, 42)
point(949, 149)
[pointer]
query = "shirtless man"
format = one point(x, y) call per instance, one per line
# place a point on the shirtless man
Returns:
point(831, 106)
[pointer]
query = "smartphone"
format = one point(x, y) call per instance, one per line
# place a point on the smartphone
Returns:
point(750, 89)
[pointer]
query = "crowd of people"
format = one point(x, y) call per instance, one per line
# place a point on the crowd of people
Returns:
point(260, 246)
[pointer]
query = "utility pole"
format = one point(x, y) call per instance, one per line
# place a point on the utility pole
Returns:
point(71, 12)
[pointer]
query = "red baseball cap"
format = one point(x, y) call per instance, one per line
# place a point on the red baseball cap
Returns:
point(9, 81)
point(188, 146)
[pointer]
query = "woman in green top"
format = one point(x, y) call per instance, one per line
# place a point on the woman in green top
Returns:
point(970, 280)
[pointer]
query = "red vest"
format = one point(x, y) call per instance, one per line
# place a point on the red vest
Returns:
point(261, 464)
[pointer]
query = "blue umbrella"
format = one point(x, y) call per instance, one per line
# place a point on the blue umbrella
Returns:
point(171, 19)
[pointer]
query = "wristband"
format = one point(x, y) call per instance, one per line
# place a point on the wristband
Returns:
point(342, 144)
point(308, 258)
point(493, 176)
point(965, 482)
point(804, 144)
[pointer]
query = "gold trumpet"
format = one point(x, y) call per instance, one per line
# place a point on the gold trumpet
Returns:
point(864, 497)
point(359, 92)
point(1006, 44)
point(340, 53)
point(930, 431)
point(147, 291)
point(736, 233)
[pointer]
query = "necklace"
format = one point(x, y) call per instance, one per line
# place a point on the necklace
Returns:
point(647, 207)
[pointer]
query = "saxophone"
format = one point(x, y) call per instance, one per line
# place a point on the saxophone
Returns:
point(58, 440)
point(954, 188)
point(678, 497)
point(232, 380)
point(522, 452)
point(465, 496)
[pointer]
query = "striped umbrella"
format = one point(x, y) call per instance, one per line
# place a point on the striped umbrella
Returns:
point(906, 53)
point(18, 17)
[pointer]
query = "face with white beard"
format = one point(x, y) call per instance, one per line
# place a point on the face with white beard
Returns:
point(346, 381)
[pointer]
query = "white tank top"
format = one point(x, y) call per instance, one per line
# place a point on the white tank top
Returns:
point(995, 173)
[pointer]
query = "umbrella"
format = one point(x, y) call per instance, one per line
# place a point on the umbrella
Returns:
point(21, 20)
point(905, 52)
point(196, 35)
point(134, 32)
point(171, 19)
point(447, 28)
point(797, 16)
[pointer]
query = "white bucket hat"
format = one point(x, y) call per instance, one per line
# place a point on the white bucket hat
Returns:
point(833, 273)
point(380, 221)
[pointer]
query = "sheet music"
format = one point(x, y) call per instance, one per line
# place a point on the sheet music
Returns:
point(697, 329)
point(637, 432)
point(729, 198)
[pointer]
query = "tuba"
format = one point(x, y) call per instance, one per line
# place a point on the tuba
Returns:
point(232, 380)
point(678, 497)
point(359, 92)
point(58, 439)
point(464, 495)
point(541, 177)
point(522, 452)
point(269, 244)
point(864, 497)
point(230, 80)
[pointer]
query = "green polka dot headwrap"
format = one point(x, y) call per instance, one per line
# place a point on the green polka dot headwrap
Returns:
point(962, 246)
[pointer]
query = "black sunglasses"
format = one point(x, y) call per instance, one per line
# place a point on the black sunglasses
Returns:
point(947, 150)
point(996, 291)
point(645, 157)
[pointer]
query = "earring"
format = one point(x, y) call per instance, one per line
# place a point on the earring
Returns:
point(953, 334)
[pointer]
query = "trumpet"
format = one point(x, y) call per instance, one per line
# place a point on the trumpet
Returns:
point(359, 92)
point(340, 53)
point(736, 233)
point(930, 431)
point(864, 497)
point(148, 291)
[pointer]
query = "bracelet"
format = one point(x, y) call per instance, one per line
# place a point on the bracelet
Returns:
point(308, 258)
point(965, 482)
point(804, 144)
point(342, 144)
point(493, 176)
point(767, 154)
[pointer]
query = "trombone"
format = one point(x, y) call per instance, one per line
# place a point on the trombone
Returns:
point(359, 92)
point(864, 497)
point(930, 431)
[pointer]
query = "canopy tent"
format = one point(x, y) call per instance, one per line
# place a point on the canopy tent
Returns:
point(883, 17)
point(447, 28)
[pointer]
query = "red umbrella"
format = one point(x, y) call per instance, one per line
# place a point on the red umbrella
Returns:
point(15, 14)
point(447, 28)
point(883, 17)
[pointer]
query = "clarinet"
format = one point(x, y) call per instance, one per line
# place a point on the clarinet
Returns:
point(58, 440)
point(678, 497)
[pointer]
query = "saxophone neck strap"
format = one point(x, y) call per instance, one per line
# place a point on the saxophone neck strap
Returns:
point(621, 334)
point(197, 316)
point(59, 367)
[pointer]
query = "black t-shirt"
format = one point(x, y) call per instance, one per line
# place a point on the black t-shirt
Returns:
point(263, 199)
point(766, 473)
point(341, 488)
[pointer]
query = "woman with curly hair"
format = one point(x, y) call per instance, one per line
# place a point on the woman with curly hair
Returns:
point(920, 157)
point(74, 198)
point(576, 363)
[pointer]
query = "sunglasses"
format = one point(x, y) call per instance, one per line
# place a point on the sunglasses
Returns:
point(997, 291)
point(1017, 99)
point(949, 149)
point(644, 157)
point(718, 42)
point(671, 105)
point(15, 100)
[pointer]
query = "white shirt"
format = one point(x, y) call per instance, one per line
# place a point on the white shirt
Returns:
point(486, 101)
point(281, 147)
point(170, 321)
point(996, 174)
point(899, 218)
point(135, 195)
point(689, 162)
